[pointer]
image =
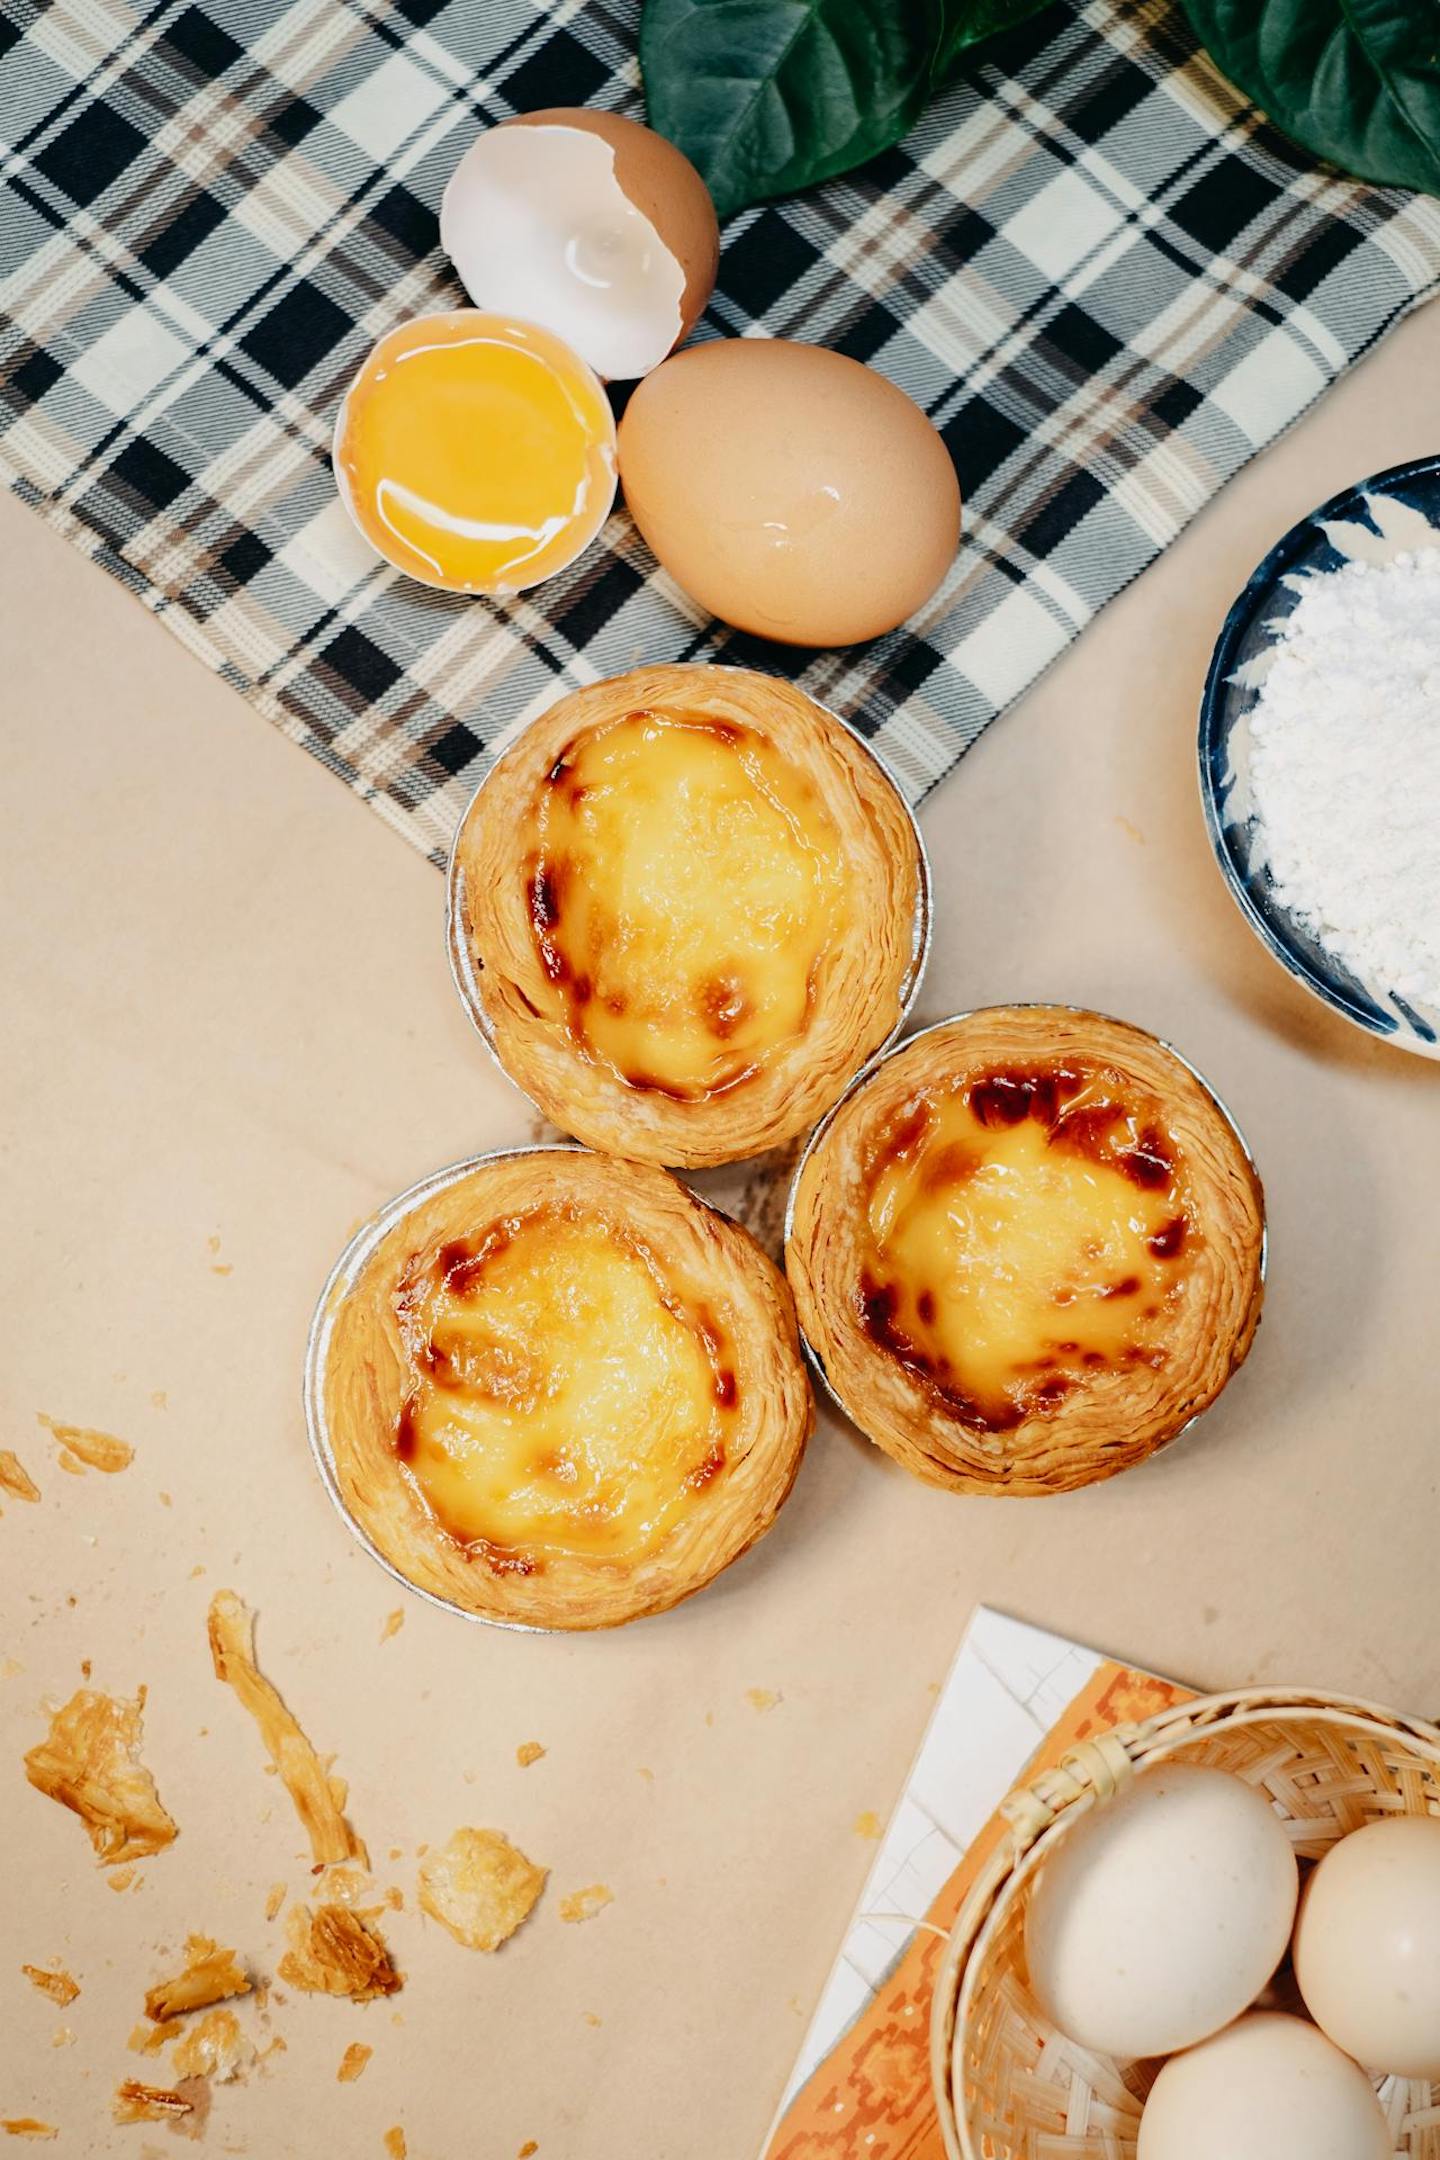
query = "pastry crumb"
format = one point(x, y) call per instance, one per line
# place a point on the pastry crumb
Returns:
point(147, 2039)
point(159, 1399)
point(15, 1479)
point(352, 2062)
point(591, 2018)
point(393, 1623)
point(213, 2048)
point(26, 2126)
point(527, 2149)
point(89, 1762)
point(763, 1698)
point(528, 1751)
point(584, 1904)
point(480, 1887)
point(345, 1885)
point(647, 1774)
point(211, 1975)
point(62, 1987)
point(121, 1878)
point(395, 2144)
point(867, 1824)
point(82, 1448)
point(275, 1900)
point(319, 1798)
point(135, 2102)
point(333, 1952)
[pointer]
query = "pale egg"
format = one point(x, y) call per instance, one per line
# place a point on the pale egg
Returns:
point(1162, 1914)
point(588, 224)
point(789, 490)
point(476, 453)
point(1267, 2088)
point(1367, 1947)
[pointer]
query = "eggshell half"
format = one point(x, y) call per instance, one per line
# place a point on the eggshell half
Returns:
point(1162, 1914)
point(1267, 2088)
point(588, 224)
point(790, 490)
point(1367, 1947)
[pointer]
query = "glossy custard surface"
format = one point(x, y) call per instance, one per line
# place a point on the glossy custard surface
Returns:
point(476, 453)
point(1023, 1232)
point(564, 1399)
point(685, 881)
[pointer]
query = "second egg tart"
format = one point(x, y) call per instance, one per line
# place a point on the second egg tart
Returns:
point(686, 906)
point(1027, 1250)
point(555, 1390)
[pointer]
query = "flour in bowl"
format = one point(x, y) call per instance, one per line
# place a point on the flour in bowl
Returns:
point(1345, 769)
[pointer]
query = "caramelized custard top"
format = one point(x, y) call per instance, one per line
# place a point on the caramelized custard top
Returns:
point(1024, 1232)
point(564, 1398)
point(684, 881)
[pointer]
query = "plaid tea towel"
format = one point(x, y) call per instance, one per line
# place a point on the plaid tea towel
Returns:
point(1103, 276)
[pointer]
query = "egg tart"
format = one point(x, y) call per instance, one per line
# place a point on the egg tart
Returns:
point(1026, 1249)
point(554, 1390)
point(685, 907)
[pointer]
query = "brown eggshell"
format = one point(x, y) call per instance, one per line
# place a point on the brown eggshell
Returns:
point(790, 490)
point(663, 185)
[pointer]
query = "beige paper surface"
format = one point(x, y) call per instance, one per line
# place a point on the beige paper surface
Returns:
point(229, 1033)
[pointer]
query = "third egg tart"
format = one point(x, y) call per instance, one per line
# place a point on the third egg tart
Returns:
point(1027, 1249)
point(686, 906)
point(554, 1390)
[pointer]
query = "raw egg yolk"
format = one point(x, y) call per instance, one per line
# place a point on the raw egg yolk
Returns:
point(476, 453)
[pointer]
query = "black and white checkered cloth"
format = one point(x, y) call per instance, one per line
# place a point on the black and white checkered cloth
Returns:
point(1104, 277)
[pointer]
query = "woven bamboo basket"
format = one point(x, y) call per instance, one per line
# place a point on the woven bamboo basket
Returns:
point(1008, 2085)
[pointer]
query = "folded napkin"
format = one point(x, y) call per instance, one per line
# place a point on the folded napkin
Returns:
point(1103, 276)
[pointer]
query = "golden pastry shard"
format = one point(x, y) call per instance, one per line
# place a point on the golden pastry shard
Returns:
point(82, 1445)
point(333, 1952)
point(214, 2048)
point(89, 1762)
point(211, 1975)
point(135, 2102)
point(319, 1798)
point(15, 1479)
point(62, 1987)
point(480, 1887)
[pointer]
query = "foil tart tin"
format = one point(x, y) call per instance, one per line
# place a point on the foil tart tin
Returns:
point(465, 970)
point(341, 1281)
point(882, 1058)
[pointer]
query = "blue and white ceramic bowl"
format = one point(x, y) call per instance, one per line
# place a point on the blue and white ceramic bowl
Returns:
point(1374, 521)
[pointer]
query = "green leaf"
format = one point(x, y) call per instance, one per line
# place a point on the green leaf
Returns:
point(970, 22)
point(766, 96)
point(1355, 81)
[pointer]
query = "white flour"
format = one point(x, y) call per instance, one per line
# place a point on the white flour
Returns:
point(1345, 768)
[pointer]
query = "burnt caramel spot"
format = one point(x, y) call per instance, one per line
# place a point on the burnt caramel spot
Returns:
point(1007, 1098)
point(1148, 1165)
point(500, 1559)
point(727, 1390)
point(545, 897)
point(405, 1433)
point(879, 1304)
point(953, 1164)
point(706, 1472)
point(557, 771)
point(925, 1306)
point(1169, 1238)
point(723, 1005)
point(582, 990)
point(909, 1133)
point(1126, 1287)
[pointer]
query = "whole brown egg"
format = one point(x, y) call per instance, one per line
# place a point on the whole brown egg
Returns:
point(790, 490)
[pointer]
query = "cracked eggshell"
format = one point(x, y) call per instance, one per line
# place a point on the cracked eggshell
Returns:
point(590, 225)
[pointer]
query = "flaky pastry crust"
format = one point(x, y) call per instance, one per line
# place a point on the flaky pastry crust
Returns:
point(860, 983)
point(708, 1261)
point(1121, 1414)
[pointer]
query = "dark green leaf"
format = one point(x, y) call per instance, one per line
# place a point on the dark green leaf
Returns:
point(766, 96)
point(1355, 81)
point(970, 22)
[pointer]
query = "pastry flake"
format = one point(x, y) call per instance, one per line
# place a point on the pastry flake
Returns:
point(488, 1439)
point(211, 1975)
point(584, 1904)
point(89, 1762)
point(213, 2047)
point(319, 1798)
point(62, 1987)
point(333, 1952)
point(27, 2126)
point(480, 1887)
point(83, 1448)
point(689, 904)
point(136, 2103)
point(1027, 1250)
point(352, 2062)
point(15, 1479)
point(529, 1751)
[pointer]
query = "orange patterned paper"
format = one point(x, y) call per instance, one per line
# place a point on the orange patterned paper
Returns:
point(870, 2099)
